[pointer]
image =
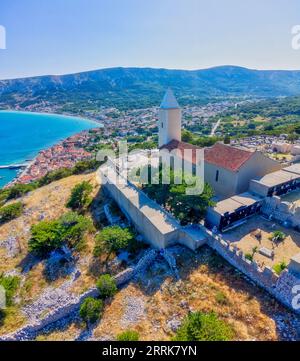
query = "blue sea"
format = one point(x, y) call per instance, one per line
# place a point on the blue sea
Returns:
point(23, 135)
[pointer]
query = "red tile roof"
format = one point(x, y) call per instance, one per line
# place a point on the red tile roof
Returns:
point(219, 154)
point(175, 144)
point(226, 156)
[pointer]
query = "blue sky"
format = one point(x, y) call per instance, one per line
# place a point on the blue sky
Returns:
point(65, 36)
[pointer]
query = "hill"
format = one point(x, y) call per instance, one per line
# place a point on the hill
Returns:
point(144, 87)
point(152, 304)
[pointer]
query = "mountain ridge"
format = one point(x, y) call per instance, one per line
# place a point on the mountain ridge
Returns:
point(134, 87)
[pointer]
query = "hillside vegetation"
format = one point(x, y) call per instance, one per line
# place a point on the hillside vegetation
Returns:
point(144, 87)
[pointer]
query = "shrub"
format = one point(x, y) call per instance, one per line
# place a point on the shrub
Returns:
point(278, 268)
point(45, 237)
point(10, 284)
point(222, 299)
point(54, 176)
point(85, 166)
point(74, 228)
point(18, 190)
point(200, 326)
point(128, 336)
point(112, 239)
point(249, 256)
point(70, 228)
point(278, 236)
point(10, 211)
point(91, 309)
point(106, 286)
point(80, 196)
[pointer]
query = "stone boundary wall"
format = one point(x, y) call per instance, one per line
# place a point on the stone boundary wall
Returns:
point(278, 286)
point(281, 211)
point(30, 331)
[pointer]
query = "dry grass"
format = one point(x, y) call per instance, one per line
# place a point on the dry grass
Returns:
point(48, 203)
point(208, 284)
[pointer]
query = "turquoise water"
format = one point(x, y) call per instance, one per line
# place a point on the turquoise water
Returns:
point(23, 135)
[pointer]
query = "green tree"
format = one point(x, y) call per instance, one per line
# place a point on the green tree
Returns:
point(190, 208)
point(45, 237)
point(106, 286)
point(112, 239)
point(188, 201)
point(75, 227)
point(279, 267)
point(187, 136)
point(10, 284)
point(128, 336)
point(80, 196)
point(91, 310)
point(10, 212)
point(201, 326)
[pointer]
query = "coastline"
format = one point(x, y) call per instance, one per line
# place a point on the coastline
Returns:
point(22, 174)
point(64, 115)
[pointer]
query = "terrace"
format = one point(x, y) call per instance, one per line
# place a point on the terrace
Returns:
point(257, 233)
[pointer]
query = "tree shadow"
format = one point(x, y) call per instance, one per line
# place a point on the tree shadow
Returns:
point(28, 262)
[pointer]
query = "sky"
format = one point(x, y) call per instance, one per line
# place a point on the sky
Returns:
point(67, 36)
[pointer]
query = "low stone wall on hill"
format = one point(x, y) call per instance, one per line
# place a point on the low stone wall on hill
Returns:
point(281, 287)
point(31, 330)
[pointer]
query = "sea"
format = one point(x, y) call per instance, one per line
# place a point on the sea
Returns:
point(24, 134)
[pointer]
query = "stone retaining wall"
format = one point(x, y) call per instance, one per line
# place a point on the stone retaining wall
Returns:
point(31, 330)
point(281, 211)
point(281, 287)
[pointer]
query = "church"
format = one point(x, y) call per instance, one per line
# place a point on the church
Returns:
point(227, 169)
point(241, 181)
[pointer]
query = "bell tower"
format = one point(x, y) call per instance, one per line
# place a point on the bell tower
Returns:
point(169, 119)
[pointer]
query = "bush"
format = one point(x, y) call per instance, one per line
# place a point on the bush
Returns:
point(70, 228)
point(201, 326)
point(10, 284)
point(249, 256)
point(18, 190)
point(112, 239)
point(128, 336)
point(54, 176)
point(80, 196)
point(222, 299)
point(91, 310)
point(106, 286)
point(278, 236)
point(278, 268)
point(74, 228)
point(45, 237)
point(10, 212)
point(85, 166)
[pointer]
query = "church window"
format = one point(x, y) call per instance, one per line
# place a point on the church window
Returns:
point(217, 176)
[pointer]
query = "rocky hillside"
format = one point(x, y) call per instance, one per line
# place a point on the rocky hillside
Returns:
point(154, 303)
